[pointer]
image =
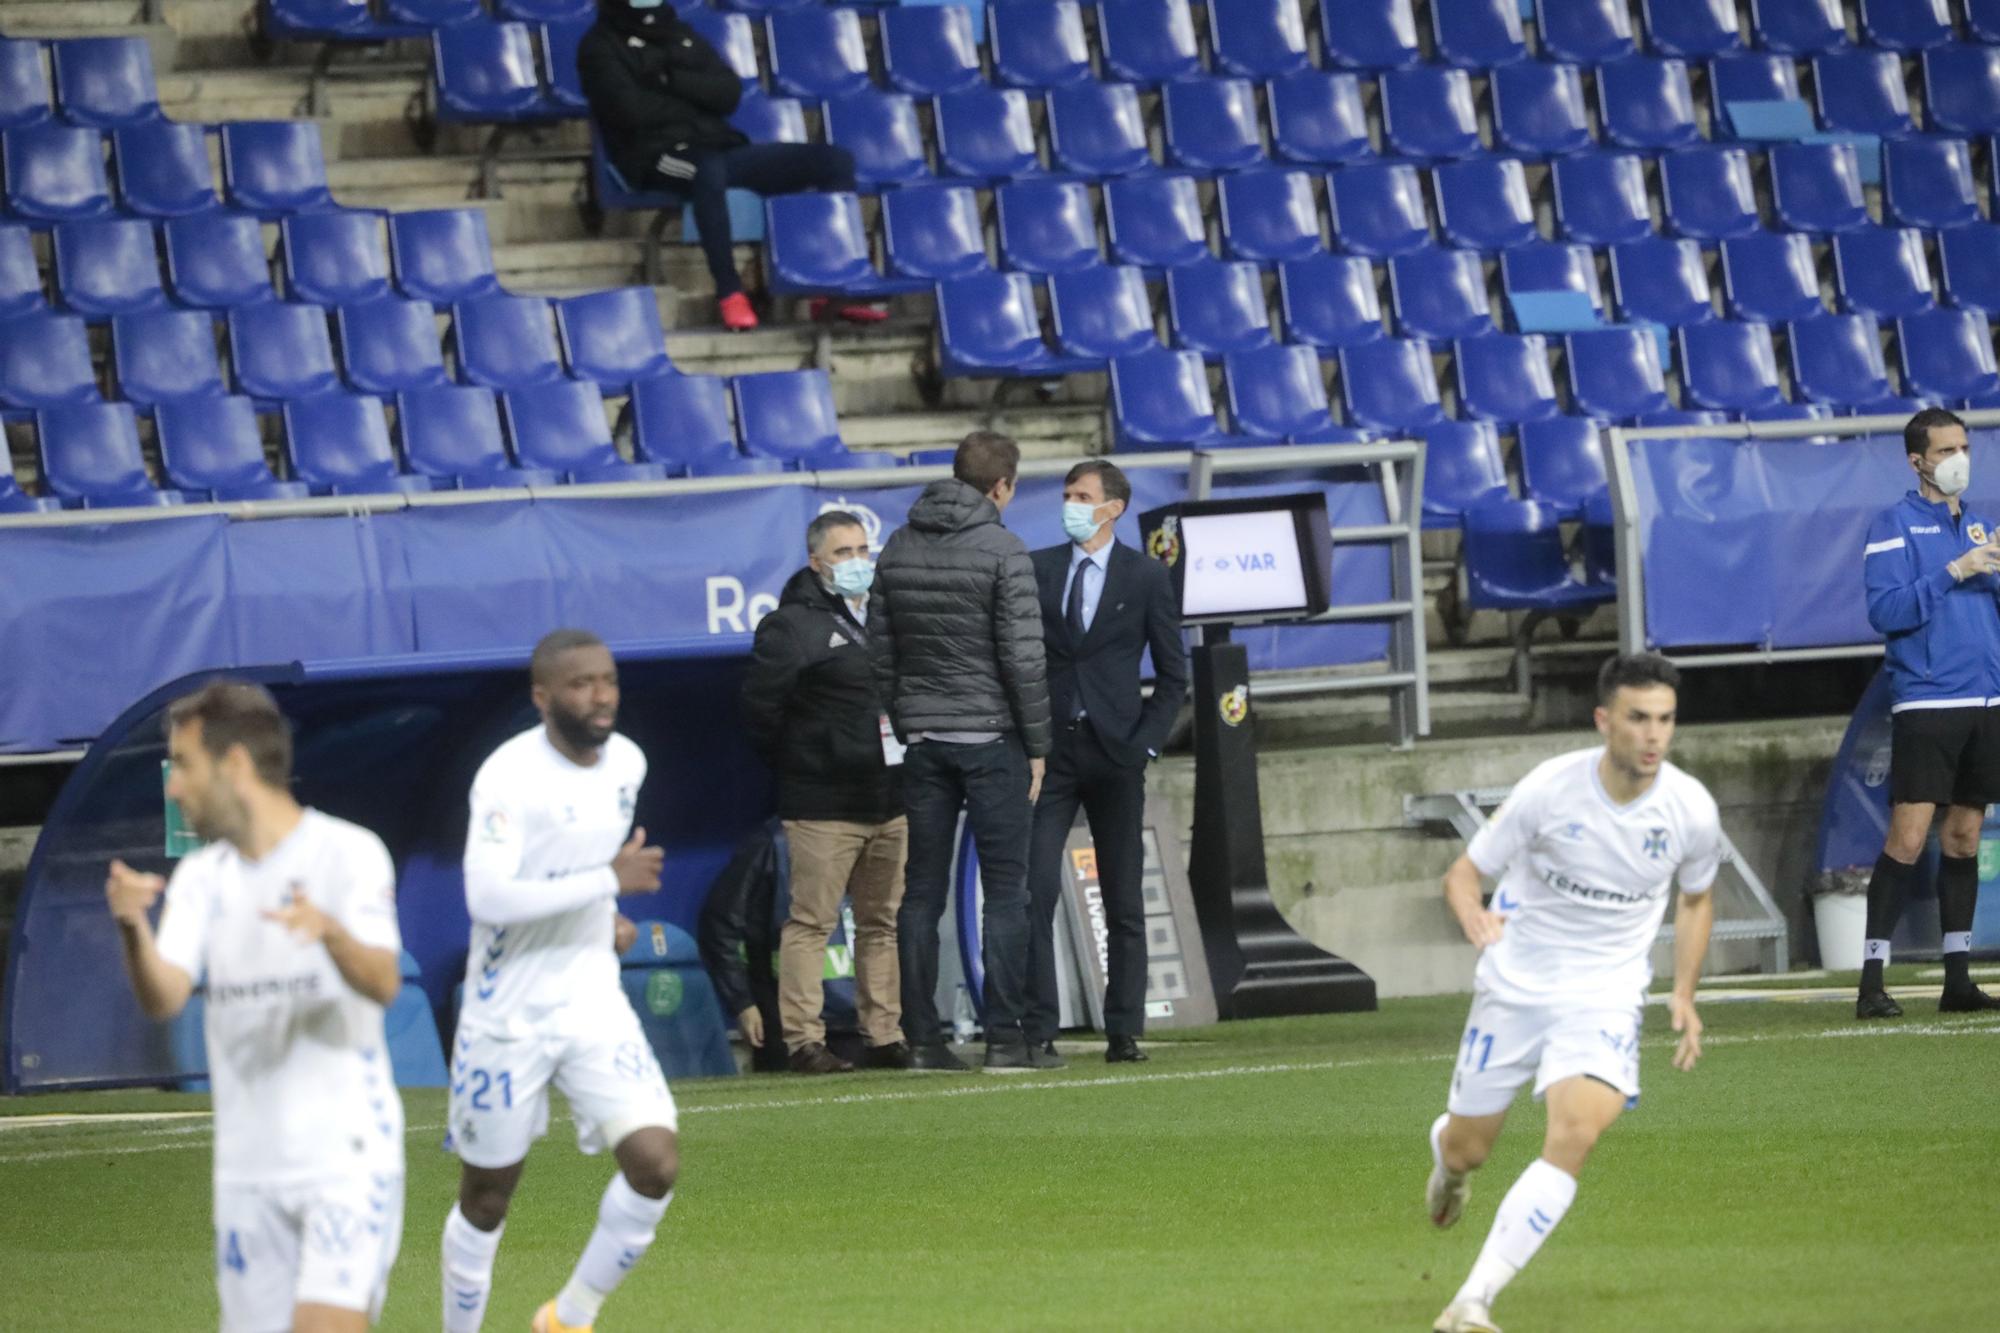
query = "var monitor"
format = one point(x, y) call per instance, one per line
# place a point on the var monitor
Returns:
point(1248, 561)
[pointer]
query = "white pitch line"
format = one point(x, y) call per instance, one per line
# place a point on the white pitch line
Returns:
point(55, 1120)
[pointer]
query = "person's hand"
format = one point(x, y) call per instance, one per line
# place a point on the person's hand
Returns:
point(303, 919)
point(751, 1023)
point(1688, 1023)
point(637, 865)
point(623, 934)
point(1482, 926)
point(1984, 559)
point(131, 894)
point(1036, 767)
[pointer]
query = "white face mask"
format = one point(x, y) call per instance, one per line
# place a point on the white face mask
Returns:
point(1954, 474)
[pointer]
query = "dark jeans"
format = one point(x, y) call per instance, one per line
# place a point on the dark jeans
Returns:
point(765, 168)
point(1113, 797)
point(990, 782)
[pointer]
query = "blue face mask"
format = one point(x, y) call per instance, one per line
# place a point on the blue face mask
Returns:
point(645, 4)
point(852, 578)
point(1080, 520)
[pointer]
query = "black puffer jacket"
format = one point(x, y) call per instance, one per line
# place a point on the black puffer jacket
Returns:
point(658, 92)
point(810, 708)
point(955, 624)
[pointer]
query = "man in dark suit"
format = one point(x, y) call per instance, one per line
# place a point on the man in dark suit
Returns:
point(1103, 606)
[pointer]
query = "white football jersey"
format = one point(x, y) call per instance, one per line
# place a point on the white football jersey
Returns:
point(1584, 883)
point(536, 816)
point(296, 1057)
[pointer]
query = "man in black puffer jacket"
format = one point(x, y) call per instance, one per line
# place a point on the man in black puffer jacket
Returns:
point(957, 637)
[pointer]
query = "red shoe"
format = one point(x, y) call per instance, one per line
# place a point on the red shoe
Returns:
point(736, 312)
point(853, 312)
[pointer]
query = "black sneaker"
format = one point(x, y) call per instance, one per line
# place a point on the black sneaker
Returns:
point(1043, 1055)
point(1877, 1004)
point(815, 1058)
point(937, 1059)
point(895, 1055)
point(1967, 999)
point(1009, 1056)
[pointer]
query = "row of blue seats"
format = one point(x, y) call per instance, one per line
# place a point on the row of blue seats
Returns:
point(57, 173)
point(393, 20)
point(100, 83)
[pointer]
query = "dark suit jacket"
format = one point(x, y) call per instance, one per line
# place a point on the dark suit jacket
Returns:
point(1136, 611)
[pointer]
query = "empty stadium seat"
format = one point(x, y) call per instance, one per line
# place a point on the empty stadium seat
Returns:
point(1148, 41)
point(1906, 25)
point(1047, 226)
point(1515, 561)
point(1101, 312)
point(1329, 301)
point(1601, 198)
point(1586, 32)
point(211, 444)
point(1562, 464)
point(1615, 372)
point(1837, 360)
point(443, 255)
point(930, 49)
point(334, 258)
point(44, 362)
point(1882, 271)
point(104, 82)
point(451, 434)
point(424, 15)
point(817, 243)
point(339, 443)
point(1269, 215)
point(485, 72)
point(390, 345)
point(1962, 89)
point(733, 36)
point(1427, 112)
point(327, 21)
point(161, 355)
point(787, 414)
point(1798, 27)
point(1097, 129)
point(108, 266)
point(1038, 46)
point(1770, 277)
point(986, 134)
point(1662, 281)
point(1709, 191)
point(281, 351)
point(24, 84)
point(770, 119)
point(933, 233)
point(217, 260)
point(1748, 76)
point(1160, 400)
point(90, 456)
point(1816, 187)
point(1317, 117)
point(1861, 91)
point(505, 341)
point(1390, 384)
point(1462, 468)
point(1646, 102)
point(613, 337)
point(1211, 124)
point(20, 279)
point(1215, 307)
point(54, 173)
point(562, 428)
point(163, 169)
point(1378, 209)
point(1729, 365)
point(1538, 109)
point(881, 130)
point(1277, 393)
point(1971, 257)
point(549, 11)
point(1439, 294)
point(1483, 203)
point(1477, 34)
point(559, 45)
point(1982, 20)
point(1258, 39)
point(274, 167)
point(1694, 29)
point(1948, 354)
point(817, 53)
point(1505, 377)
point(1155, 221)
point(1550, 266)
point(682, 423)
point(1928, 183)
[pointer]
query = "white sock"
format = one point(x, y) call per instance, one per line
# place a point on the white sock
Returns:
point(468, 1271)
point(1958, 941)
point(1437, 1146)
point(1527, 1215)
point(626, 1221)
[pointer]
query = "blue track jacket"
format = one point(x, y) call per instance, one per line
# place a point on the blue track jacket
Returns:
point(1944, 637)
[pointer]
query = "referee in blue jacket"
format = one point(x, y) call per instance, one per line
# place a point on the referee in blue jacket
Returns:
point(1930, 566)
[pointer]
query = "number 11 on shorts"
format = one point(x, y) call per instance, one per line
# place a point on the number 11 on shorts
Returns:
point(1483, 1046)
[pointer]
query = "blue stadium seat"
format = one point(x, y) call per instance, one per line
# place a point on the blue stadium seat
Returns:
point(1601, 198)
point(505, 341)
point(1646, 102)
point(817, 53)
point(690, 1036)
point(1427, 112)
point(1369, 34)
point(274, 167)
point(818, 243)
point(211, 444)
point(1101, 312)
point(281, 352)
point(1378, 208)
point(986, 134)
point(451, 434)
point(24, 84)
point(1861, 91)
point(390, 345)
point(1477, 34)
point(443, 255)
point(1816, 187)
point(1515, 561)
point(1317, 117)
point(1837, 360)
point(485, 72)
point(1962, 89)
point(682, 423)
point(334, 258)
point(1615, 372)
point(1562, 463)
point(1277, 393)
point(1928, 183)
point(1551, 266)
point(1710, 193)
point(933, 233)
point(44, 362)
point(562, 428)
point(1771, 277)
point(1097, 129)
point(108, 266)
point(549, 11)
point(416, 1060)
point(787, 414)
point(559, 44)
point(1748, 76)
point(163, 169)
point(1505, 377)
point(1258, 39)
point(1148, 41)
point(1661, 281)
point(162, 355)
point(339, 443)
point(20, 279)
point(1160, 399)
point(930, 49)
point(1729, 365)
point(1269, 215)
point(1798, 27)
point(733, 36)
point(1038, 46)
point(1211, 125)
point(1215, 307)
point(1882, 271)
point(1329, 301)
point(1483, 203)
point(217, 260)
point(1047, 226)
point(104, 82)
point(90, 456)
point(1584, 32)
point(424, 15)
point(1439, 294)
point(1155, 221)
point(1692, 29)
point(55, 173)
point(771, 119)
point(613, 337)
point(1982, 20)
point(1538, 109)
point(881, 130)
point(1971, 257)
point(1462, 468)
point(1390, 384)
point(1906, 25)
point(1948, 354)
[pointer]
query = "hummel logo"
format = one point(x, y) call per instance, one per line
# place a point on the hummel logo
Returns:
point(1502, 903)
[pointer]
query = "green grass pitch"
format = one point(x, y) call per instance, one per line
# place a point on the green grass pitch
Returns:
point(1811, 1174)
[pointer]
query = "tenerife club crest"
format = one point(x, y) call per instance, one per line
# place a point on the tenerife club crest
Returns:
point(1976, 533)
point(1656, 843)
point(1164, 545)
point(1234, 705)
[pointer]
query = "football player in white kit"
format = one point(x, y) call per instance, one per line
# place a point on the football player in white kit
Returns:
point(288, 919)
point(1587, 850)
point(546, 856)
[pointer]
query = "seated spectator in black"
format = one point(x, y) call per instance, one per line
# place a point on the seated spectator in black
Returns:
point(661, 98)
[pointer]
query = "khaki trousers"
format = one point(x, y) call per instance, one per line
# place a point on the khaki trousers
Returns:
point(832, 858)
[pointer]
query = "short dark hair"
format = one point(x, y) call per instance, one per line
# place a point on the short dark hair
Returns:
point(1109, 475)
point(986, 458)
point(1917, 432)
point(1636, 671)
point(553, 645)
point(833, 518)
point(234, 712)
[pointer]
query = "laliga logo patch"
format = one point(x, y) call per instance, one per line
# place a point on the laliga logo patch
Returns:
point(1164, 544)
point(1235, 705)
point(871, 522)
point(1977, 533)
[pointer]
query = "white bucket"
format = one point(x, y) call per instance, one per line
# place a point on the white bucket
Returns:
point(1842, 919)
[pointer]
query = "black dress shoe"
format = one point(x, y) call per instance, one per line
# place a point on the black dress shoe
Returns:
point(1877, 1004)
point(1044, 1055)
point(1967, 999)
point(895, 1055)
point(1124, 1051)
point(937, 1059)
point(815, 1058)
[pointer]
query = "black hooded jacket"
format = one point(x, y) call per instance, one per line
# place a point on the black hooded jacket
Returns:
point(658, 92)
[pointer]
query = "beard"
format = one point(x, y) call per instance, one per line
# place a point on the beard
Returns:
point(579, 732)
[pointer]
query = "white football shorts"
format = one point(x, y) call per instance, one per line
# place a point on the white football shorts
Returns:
point(1506, 1044)
point(324, 1243)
